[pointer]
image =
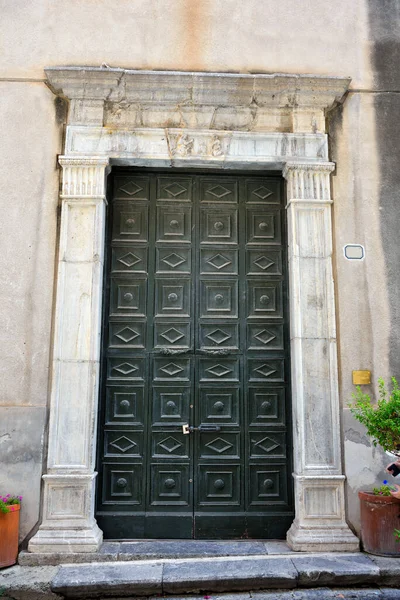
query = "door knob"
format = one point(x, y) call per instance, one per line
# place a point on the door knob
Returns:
point(202, 428)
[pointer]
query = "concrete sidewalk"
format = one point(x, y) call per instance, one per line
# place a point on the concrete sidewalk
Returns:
point(285, 576)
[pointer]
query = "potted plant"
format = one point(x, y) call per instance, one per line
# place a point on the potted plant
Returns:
point(380, 511)
point(9, 529)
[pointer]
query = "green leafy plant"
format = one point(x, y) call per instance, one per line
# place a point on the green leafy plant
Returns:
point(7, 501)
point(384, 490)
point(396, 534)
point(382, 420)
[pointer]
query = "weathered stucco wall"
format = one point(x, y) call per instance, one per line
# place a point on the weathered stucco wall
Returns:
point(357, 39)
point(28, 198)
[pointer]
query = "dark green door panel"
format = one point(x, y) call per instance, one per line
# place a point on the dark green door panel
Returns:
point(195, 333)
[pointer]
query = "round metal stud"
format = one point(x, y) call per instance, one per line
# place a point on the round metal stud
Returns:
point(219, 484)
point(267, 484)
point(171, 405)
point(169, 483)
point(128, 297)
point(219, 406)
point(174, 223)
point(124, 403)
point(219, 298)
point(172, 297)
point(122, 483)
point(218, 226)
point(265, 405)
point(264, 299)
point(263, 226)
point(130, 222)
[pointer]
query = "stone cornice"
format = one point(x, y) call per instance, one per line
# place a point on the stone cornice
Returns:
point(277, 90)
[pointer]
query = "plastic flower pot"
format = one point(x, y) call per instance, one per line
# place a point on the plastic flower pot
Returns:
point(9, 529)
point(380, 516)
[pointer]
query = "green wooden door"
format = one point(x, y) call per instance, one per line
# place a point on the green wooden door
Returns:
point(195, 339)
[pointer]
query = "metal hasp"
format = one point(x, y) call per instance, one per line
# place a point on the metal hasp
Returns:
point(196, 331)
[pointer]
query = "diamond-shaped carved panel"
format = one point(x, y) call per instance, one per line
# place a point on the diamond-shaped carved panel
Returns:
point(219, 446)
point(134, 187)
point(265, 263)
point(219, 369)
point(127, 335)
point(127, 444)
point(125, 368)
point(217, 262)
point(265, 337)
point(266, 370)
point(171, 446)
point(174, 189)
point(172, 368)
point(272, 445)
point(173, 261)
point(261, 191)
point(218, 190)
point(172, 335)
point(215, 337)
point(126, 260)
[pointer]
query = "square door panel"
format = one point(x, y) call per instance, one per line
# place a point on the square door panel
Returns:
point(177, 189)
point(169, 486)
point(219, 406)
point(170, 405)
point(219, 486)
point(127, 334)
point(263, 227)
point(220, 446)
point(131, 188)
point(122, 483)
point(267, 485)
point(172, 335)
point(172, 369)
point(218, 261)
point(266, 336)
point(172, 297)
point(124, 405)
point(123, 443)
point(219, 299)
point(169, 444)
point(218, 226)
point(269, 445)
point(266, 406)
point(130, 222)
point(174, 225)
point(219, 369)
point(126, 259)
point(213, 336)
point(126, 368)
point(259, 191)
point(173, 260)
point(218, 190)
point(127, 297)
point(264, 369)
point(264, 299)
point(264, 262)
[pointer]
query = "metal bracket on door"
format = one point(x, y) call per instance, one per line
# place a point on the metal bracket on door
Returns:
point(201, 428)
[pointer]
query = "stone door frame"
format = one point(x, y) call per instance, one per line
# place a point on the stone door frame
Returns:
point(194, 120)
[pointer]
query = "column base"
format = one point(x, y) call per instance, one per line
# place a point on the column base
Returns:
point(327, 538)
point(62, 541)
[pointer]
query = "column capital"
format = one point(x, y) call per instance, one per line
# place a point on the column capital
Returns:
point(84, 176)
point(308, 181)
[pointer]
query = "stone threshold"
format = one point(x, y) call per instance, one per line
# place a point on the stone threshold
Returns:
point(111, 551)
point(296, 573)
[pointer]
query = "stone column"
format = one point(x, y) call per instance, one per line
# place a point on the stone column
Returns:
point(320, 523)
point(69, 486)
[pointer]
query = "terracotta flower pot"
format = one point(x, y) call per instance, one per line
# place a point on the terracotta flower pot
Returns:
point(380, 516)
point(9, 528)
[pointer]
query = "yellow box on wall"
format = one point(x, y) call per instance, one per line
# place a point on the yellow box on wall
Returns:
point(361, 377)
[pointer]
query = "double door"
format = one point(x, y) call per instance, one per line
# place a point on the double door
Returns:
point(194, 438)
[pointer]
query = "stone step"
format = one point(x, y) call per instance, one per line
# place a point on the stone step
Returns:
point(217, 575)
